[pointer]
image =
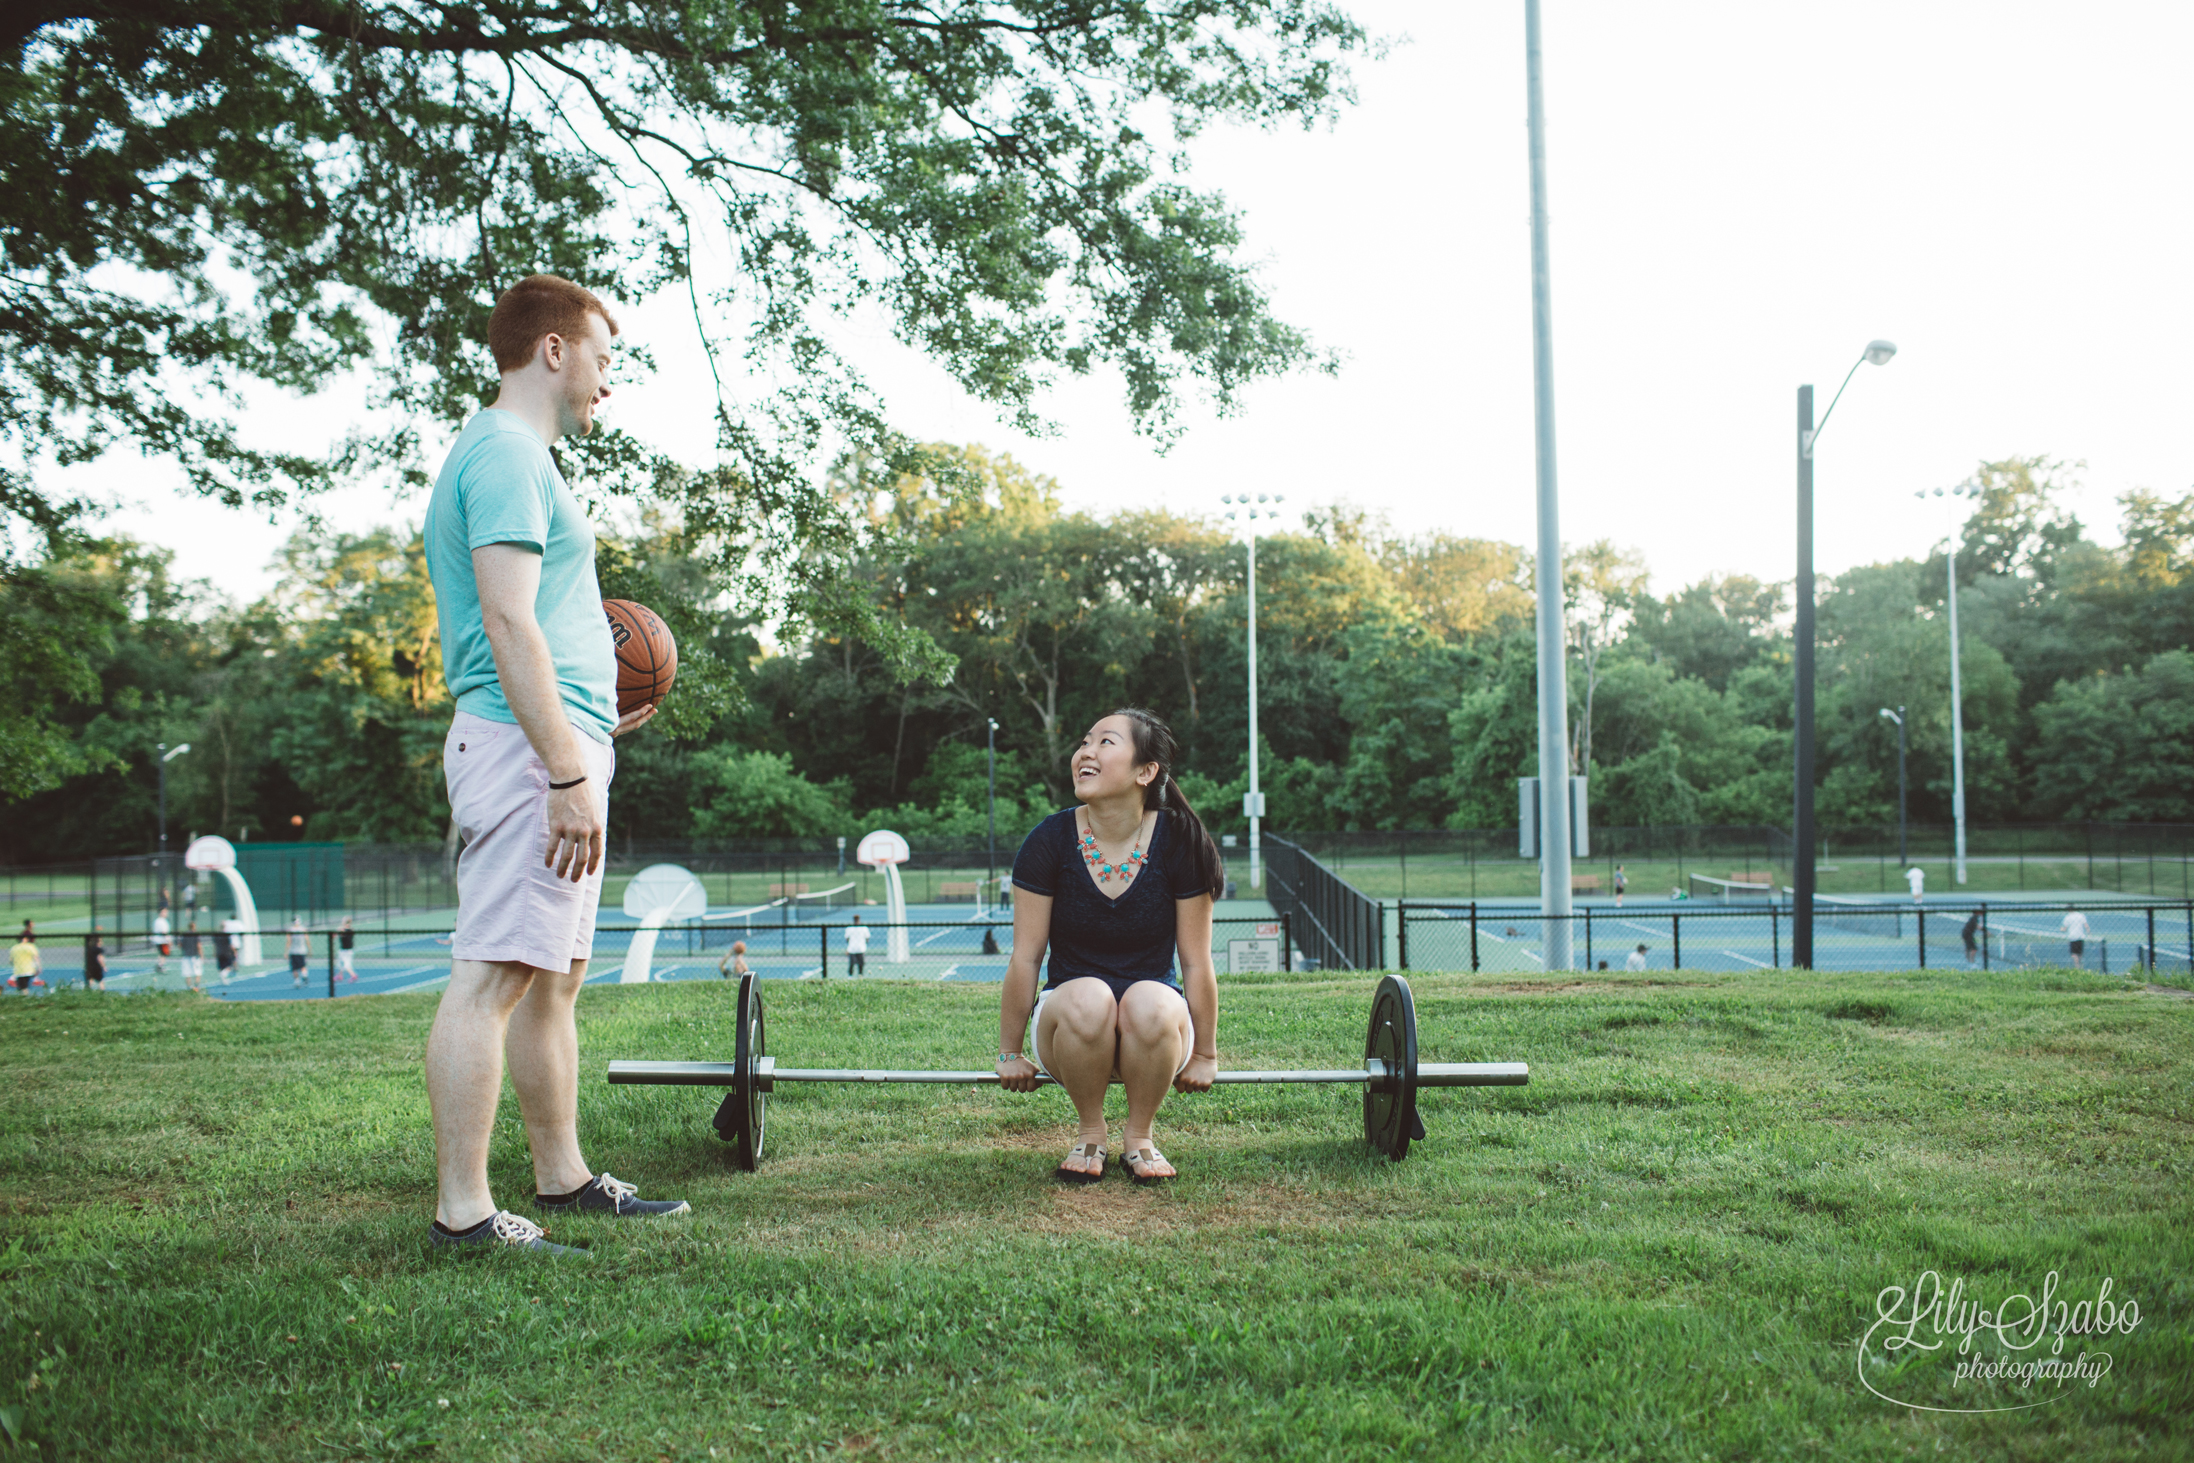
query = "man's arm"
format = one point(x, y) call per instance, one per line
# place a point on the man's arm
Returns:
point(509, 579)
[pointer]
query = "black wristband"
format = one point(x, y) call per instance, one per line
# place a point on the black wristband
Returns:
point(560, 786)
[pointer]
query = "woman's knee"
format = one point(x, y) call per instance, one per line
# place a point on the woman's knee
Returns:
point(1082, 1011)
point(1150, 1014)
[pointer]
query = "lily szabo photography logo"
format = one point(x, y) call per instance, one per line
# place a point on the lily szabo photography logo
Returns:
point(1948, 1344)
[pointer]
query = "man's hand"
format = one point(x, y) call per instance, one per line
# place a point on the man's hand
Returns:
point(576, 831)
point(633, 721)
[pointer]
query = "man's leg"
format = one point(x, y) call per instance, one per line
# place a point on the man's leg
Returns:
point(543, 1048)
point(465, 1080)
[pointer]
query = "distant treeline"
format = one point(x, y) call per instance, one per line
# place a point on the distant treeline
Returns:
point(1397, 675)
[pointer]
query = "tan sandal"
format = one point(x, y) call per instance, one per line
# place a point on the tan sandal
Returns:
point(1067, 1175)
point(1148, 1153)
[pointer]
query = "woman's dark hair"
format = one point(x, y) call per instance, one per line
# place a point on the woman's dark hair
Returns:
point(1154, 743)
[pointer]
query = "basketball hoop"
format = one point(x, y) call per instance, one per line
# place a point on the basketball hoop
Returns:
point(210, 852)
point(882, 847)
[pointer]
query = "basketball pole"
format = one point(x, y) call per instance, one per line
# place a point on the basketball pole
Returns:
point(1554, 896)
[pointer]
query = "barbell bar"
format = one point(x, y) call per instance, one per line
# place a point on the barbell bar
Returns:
point(1391, 1075)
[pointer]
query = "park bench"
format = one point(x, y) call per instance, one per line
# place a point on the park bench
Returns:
point(950, 893)
point(782, 891)
point(1584, 883)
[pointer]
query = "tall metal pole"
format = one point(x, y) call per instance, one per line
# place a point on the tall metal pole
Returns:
point(163, 746)
point(1904, 859)
point(1957, 714)
point(1553, 642)
point(992, 872)
point(1256, 800)
point(1801, 822)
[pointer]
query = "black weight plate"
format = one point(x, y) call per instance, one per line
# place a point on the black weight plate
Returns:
point(742, 1119)
point(1390, 1107)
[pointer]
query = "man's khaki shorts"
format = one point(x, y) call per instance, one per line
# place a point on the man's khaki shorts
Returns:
point(510, 904)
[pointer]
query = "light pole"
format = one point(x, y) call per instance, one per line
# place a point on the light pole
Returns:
point(1877, 352)
point(1553, 638)
point(992, 881)
point(166, 756)
point(1253, 801)
point(1898, 716)
point(1967, 489)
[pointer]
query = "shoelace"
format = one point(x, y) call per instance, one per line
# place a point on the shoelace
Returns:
point(617, 1190)
point(515, 1229)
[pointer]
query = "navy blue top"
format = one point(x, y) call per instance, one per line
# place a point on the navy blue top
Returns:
point(1126, 939)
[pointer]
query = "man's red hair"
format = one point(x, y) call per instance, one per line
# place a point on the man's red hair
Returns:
point(538, 305)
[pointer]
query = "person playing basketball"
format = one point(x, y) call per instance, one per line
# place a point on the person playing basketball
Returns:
point(1116, 888)
point(527, 653)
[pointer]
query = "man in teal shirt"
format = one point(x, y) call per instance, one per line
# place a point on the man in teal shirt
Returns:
point(527, 653)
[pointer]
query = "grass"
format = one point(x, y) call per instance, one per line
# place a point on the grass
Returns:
point(211, 1226)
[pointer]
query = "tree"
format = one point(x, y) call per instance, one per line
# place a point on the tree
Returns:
point(2119, 746)
point(210, 198)
point(758, 795)
point(1600, 585)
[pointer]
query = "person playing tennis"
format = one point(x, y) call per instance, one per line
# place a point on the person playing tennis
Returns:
point(1115, 888)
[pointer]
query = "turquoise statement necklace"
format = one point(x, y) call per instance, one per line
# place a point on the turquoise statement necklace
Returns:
point(1126, 868)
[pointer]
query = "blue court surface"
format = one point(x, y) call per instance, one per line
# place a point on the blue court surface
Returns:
point(1849, 934)
point(944, 942)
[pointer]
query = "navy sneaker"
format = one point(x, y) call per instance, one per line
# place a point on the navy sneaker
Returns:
point(605, 1195)
point(500, 1230)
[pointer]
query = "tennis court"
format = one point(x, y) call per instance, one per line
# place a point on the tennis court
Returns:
point(802, 937)
point(1751, 930)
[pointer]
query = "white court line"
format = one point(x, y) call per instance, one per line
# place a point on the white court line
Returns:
point(950, 972)
point(1747, 959)
point(1643, 929)
point(593, 976)
point(424, 985)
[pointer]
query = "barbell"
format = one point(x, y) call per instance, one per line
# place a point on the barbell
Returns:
point(1391, 1075)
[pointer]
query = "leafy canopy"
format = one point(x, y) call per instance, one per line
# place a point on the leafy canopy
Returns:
point(202, 198)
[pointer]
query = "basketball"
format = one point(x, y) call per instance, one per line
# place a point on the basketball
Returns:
point(647, 658)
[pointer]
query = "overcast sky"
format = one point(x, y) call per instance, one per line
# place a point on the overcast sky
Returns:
point(1741, 196)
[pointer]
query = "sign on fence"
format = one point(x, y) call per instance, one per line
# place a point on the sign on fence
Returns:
point(1257, 955)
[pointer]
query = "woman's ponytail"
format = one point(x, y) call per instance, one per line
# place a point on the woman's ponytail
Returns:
point(1154, 742)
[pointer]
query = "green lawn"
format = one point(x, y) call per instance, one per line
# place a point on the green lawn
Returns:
point(212, 1225)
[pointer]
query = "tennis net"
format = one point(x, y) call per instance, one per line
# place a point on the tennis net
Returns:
point(1733, 891)
point(1860, 916)
point(823, 903)
point(2021, 948)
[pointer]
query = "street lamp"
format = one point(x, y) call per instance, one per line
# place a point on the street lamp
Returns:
point(991, 884)
point(1877, 353)
point(1898, 716)
point(1253, 801)
point(166, 756)
point(1967, 489)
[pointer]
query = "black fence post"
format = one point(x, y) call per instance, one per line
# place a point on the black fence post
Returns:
point(1588, 937)
point(1775, 935)
point(822, 942)
point(1676, 938)
point(1287, 942)
point(1474, 932)
point(2152, 939)
point(331, 965)
point(1984, 937)
point(1919, 922)
point(1401, 932)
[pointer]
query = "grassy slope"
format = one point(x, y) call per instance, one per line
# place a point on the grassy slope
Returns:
point(211, 1222)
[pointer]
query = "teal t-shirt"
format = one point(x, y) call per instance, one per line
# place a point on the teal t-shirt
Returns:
point(501, 486)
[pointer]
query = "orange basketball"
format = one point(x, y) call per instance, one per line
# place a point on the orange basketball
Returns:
point(647, 658)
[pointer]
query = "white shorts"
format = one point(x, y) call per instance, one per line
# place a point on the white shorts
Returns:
point(1036, 1016)
point(510, 904)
